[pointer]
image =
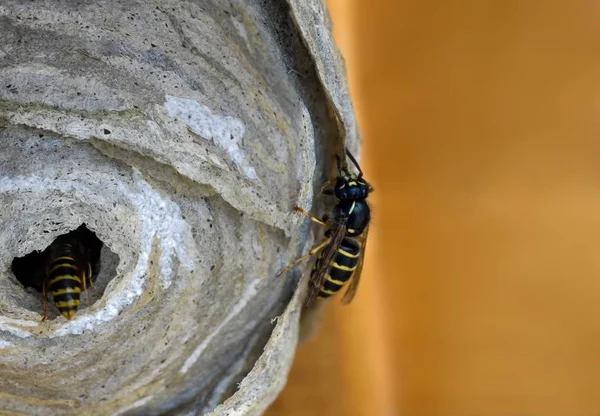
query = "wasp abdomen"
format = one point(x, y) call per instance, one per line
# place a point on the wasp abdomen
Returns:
point(65, 283)
point(342, 268)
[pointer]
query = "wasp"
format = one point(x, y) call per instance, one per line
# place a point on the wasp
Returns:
point(68, 271)
point(341, 253)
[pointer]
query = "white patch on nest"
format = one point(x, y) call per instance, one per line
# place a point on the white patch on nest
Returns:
point(241, 31)
point(12, 325)
point(135, 404)
point(249, 293)
point(226, 132)
point(5, 344)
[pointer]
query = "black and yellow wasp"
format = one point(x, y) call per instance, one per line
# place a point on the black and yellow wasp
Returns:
point(64, 268)
point(68, 272)
point(342, 251)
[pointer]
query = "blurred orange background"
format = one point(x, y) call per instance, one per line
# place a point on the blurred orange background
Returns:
point(481, 290)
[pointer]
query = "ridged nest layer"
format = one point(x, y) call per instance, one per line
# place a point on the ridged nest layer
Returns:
point(181, 134)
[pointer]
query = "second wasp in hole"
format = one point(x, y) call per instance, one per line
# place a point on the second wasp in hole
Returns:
point(65, 271)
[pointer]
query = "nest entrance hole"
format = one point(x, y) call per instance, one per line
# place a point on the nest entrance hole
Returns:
point(30, 270)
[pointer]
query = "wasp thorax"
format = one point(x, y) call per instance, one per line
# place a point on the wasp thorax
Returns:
point(347, 189)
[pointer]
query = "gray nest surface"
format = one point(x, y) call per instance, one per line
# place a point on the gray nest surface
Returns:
point(182, 133)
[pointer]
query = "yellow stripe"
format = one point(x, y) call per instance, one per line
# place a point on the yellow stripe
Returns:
point(344, 268)
point(67, 303)
point(329, 292)
point(58, 266)
point(64, 277)
point(351, 230)
point(345, 253)
point(66, 290)
point(335, 282)
point(351, 183)
point(64, 258)
point(352, 208)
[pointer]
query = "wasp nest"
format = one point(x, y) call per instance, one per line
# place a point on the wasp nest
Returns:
point(181, 134)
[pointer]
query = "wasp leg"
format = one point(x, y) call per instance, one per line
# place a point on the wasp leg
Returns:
point(92, 283)
point(94, 289)
point(87, 294)
point(44, 301)
point(312, 252)
point(326, 188)
point(310, 217)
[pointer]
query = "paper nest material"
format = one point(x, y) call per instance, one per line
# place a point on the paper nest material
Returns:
point(182, 135)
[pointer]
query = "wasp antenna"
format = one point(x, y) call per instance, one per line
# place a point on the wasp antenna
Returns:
point(360, 174)
point(339, 164)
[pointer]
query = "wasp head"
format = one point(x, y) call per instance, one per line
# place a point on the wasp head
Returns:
point(351, 188)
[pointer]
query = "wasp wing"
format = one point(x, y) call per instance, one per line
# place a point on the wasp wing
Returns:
point(318, 276)
point(351, 291)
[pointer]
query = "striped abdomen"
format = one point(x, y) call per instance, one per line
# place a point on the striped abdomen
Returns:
point(342, 267)
point(65, 280)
